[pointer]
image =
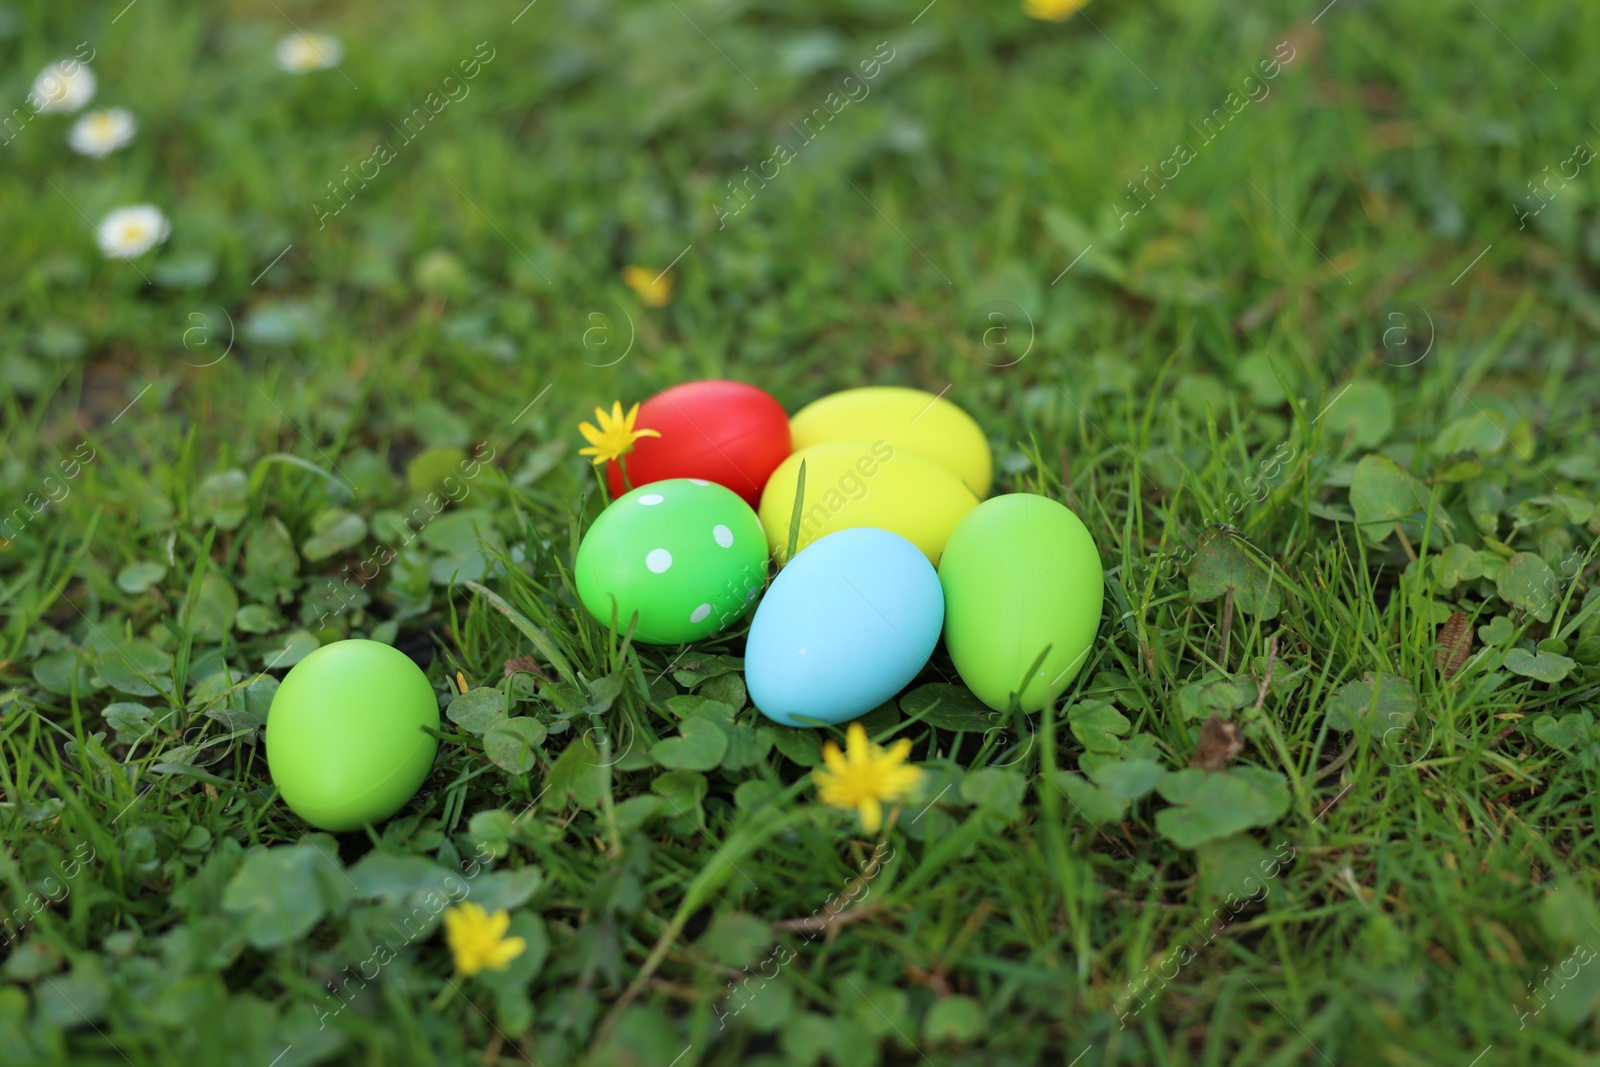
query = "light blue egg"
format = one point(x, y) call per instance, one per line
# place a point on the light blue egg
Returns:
point(843, 628)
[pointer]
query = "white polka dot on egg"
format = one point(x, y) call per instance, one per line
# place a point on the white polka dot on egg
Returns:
point(700, 613)
point(723, 535)
point(658, 560)
point(651, 499)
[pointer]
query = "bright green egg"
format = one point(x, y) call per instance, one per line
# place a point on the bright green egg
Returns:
point(1020, 574)
point(686, 556)
point(347, 737)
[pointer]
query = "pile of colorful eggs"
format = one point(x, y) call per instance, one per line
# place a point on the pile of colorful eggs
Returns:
point(895, 546)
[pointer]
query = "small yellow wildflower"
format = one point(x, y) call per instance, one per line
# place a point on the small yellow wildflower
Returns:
point(866, 776)
point(615, 435)
point(1053, 10)
point(479, 939)
point(654, 289)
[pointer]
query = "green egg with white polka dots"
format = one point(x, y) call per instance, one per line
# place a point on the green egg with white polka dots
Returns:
point(686, 556)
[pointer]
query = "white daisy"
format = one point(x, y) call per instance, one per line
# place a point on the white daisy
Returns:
point(99, 133)
point(65, 85)
point(300, 53)
point(130, 232)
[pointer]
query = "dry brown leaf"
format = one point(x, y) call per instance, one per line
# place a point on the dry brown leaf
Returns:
point(1455, 644)
point(523, 663)
point(1219, 744)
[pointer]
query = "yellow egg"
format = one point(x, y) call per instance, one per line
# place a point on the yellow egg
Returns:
point(852, 483)
point(909, 419)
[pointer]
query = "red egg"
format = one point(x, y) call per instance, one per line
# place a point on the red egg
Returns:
point(724, 432)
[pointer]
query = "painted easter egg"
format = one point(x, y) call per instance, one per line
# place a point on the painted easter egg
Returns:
point(685, 555)
point(851, 484)
point(909, 419)
point(725, 432)
point(347, 744)
point(1020, 573)
point(844, 627)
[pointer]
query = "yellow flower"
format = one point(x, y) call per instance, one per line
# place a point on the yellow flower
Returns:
point(615, 436)
point(479, 939)
point(1053, 10)
point(654, 289)
point(866, 776)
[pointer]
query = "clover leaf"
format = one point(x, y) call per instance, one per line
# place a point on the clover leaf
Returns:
point(1540, 666)
point(1383, 700)
point(280, 893)
point(511, 743)
point(1212, 804)
point(1098, 725)
point(1221, 566)
point(1384, 496)
point(699, 746)
point(1528, 584)
point(948, 707)
point(476, 710)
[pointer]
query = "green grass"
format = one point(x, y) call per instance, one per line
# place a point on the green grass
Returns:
point(263, 399)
